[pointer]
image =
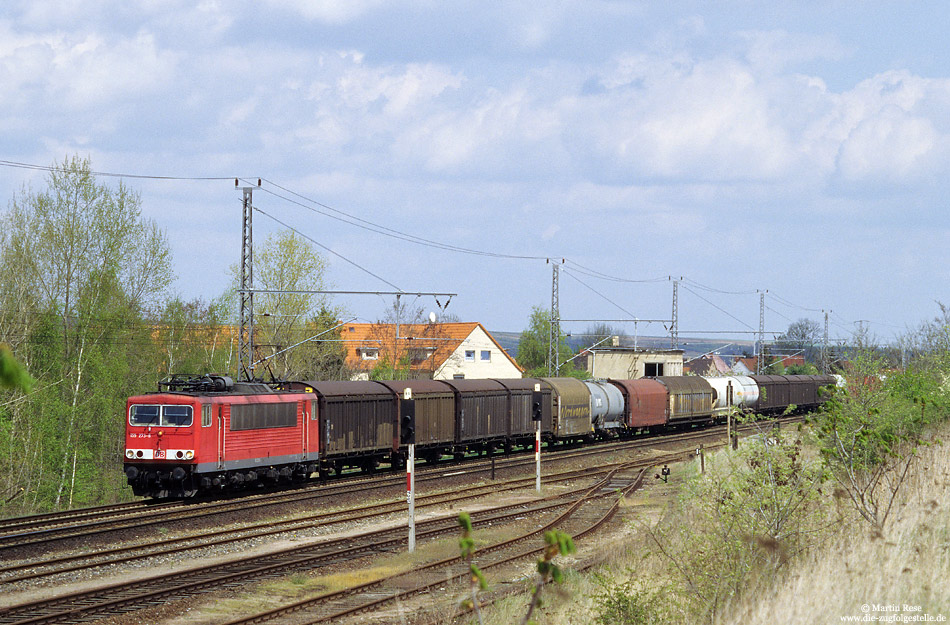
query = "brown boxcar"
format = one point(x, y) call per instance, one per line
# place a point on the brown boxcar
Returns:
point(356, 418)
point(645, 402)
point(773, 393)
point(690, 398)
point(803, 390)
point(435, 410)
point(481, 411)
point(521, 426)
point(570, 408)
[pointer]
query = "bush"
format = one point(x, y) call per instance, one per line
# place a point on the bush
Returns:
point(629, 601)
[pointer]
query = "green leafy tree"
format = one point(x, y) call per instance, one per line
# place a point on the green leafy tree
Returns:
point(869, 433)
point(803, 337)
point(195, 338)
point(78, 266)
point(293, 330)
point(533, 347)
point(12, 373)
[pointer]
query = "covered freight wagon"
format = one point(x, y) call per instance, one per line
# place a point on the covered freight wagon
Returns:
point(521, 426)
point(773, 393)
point(804, 390)
point(570, 408)
point(645, 402)
point(690, 398)
point(357, 422)
point(435, 414)
point(481, 413)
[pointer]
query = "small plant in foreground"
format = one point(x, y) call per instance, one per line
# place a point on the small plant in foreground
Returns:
point(467, 547)
point(558, 543)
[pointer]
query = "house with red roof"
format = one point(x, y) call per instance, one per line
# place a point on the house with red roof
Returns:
point(438, 351)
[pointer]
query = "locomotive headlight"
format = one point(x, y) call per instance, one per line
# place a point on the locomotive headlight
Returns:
point(129, 453)
point(189, 455)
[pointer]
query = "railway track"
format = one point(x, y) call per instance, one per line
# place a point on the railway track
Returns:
point(579, 519)
point(47, 530)
point(33, 569)
point(123, 597)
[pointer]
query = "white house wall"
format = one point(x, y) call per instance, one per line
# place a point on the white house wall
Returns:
point(499, 365)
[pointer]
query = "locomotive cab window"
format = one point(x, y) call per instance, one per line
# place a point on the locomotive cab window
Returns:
point(176, 416)
point(144, 415)
point(166, 416)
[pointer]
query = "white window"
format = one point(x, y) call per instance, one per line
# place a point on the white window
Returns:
point(486, 355)
point(469, 355)
point(458, 376)
point(369, 354)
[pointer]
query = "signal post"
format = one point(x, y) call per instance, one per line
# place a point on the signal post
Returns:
point(536, 399)
point(407, 436)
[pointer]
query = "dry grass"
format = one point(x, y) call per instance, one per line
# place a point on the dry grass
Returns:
point(909, 564)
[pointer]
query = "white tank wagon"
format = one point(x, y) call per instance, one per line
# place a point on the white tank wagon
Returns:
point(606, 406)
point(733, 393)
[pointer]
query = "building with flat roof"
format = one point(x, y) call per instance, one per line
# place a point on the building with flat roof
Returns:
point(629, 363)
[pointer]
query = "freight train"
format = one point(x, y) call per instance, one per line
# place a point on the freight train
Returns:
point(210, 434)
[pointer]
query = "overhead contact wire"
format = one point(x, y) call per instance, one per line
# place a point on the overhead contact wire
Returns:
point(324, 247)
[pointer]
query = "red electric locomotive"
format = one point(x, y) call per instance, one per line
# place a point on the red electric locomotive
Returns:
point(208, 433)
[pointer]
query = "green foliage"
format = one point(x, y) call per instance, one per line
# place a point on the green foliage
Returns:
point(195, 337)
point(805, 369)
point(467, 549)
point(385, 370)
point(12, 373)
point(78, 266)
point(533, 347)
point(630, 602)
point(738, 525)
point(293, 331)
point(869, 432)
point(556, 543)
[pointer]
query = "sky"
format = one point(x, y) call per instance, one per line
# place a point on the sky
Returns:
point(737, 147)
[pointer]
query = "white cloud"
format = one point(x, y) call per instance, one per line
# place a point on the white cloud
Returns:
point(329, 11)
point(80, 71)
point(890, 146)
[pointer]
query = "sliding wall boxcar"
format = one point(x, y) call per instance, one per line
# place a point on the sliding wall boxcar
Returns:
point(645, 402)
point(690, 398)
point(803, 389)
point(773, 393)
point(356, 418)
point(570, 407)
point(481, 410)
point(435, 410)
point(521, 426)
